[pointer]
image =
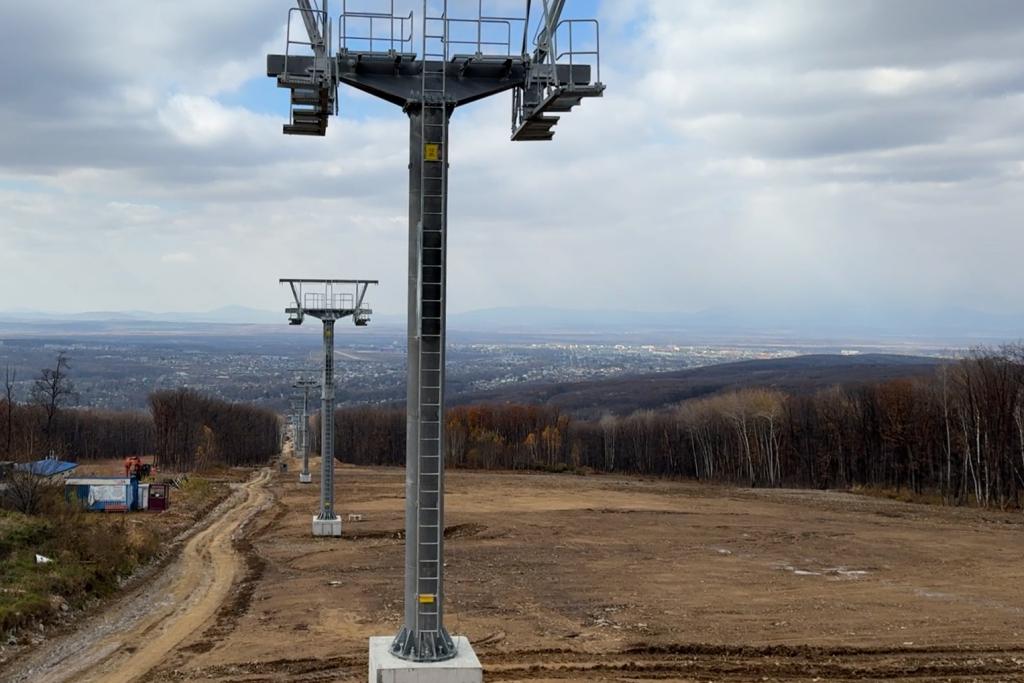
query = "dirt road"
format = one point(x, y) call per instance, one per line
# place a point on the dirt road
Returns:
point(135, 635)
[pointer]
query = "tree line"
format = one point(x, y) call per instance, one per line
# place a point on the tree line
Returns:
point(194, 431)
point(959, 434)
point(184, 430)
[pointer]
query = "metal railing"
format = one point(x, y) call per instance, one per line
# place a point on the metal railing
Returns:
point(384, 21)
point(480, 43)
point(323, 24)
point(322, 301)
point(574, 54)
point(380, 31)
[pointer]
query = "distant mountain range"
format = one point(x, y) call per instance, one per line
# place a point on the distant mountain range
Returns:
point(224, 315)
point(781, 322)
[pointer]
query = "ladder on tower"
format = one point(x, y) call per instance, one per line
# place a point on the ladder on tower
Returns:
point(432, 639)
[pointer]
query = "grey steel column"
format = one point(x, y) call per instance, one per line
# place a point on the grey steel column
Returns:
point(423, 636)
point(305, 430)
point(327, 426)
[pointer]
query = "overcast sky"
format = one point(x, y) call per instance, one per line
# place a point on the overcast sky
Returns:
point(800, 153)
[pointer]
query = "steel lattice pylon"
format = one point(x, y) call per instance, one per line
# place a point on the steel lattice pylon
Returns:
point(428, 88)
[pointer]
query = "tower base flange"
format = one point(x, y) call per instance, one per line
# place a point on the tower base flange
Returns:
point(326, 527)
point(464, 667)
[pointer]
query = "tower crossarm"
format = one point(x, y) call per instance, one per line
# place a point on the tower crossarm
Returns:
point(327, 299)
point(397, 78)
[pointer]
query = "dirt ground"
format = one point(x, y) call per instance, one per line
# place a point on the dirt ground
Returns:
point(603, 578)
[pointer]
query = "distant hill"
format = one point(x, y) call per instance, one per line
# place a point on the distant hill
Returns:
point(948, 323)
point(224, 315)
point(626, 394)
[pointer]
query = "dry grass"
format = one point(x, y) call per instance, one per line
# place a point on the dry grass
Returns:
point(901, 495)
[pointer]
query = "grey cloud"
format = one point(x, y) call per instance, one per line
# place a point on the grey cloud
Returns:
point(806, 151)
point(844, 82)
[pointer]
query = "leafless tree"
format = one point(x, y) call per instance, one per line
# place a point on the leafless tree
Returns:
point(25, 492)
point(52, 391)
point(608, 428)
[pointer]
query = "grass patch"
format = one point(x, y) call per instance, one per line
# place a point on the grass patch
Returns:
point(902, 495)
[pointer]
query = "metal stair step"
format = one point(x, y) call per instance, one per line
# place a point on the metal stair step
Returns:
point(303, 129)
point(537, 128)
point(308, 100)
point(562, 103)
point(294, 82)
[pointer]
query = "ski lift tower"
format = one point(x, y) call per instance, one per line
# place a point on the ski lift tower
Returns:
point(302, 428)
point(290, 430)
point(293, 419)
point(461, 59)
point(329, 303)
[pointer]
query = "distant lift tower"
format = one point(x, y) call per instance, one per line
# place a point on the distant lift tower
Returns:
point(462, 59)
point(296, 407)
point(329, 304)
point(302, 428)
point(293, 423)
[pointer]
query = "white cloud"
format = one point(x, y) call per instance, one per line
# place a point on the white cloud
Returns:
point(200, 121)
point(178, 257)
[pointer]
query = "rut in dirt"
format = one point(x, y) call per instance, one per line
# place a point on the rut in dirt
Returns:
point(672, 662)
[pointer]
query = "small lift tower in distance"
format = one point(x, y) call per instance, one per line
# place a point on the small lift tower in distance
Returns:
point(302, 428)
point(291, 430)
point(462, 59)
point(293, 418)
point(329, 303)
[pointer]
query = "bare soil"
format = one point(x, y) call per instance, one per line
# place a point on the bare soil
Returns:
point(600, 578)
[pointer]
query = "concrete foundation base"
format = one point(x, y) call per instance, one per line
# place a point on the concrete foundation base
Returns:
point(305, 478)
point(387, 668)
point(327, 527)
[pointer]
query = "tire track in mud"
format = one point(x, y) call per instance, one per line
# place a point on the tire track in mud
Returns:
point(135, 636)
point(753, 663)
point(672, 662)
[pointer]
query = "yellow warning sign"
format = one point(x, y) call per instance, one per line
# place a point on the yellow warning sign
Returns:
point(431, 151)
point(426, 598)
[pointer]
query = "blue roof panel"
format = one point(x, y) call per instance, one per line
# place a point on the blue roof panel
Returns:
point(47, 468)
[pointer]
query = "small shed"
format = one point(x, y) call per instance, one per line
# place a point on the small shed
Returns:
point(106, 494)
point(47, 467)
